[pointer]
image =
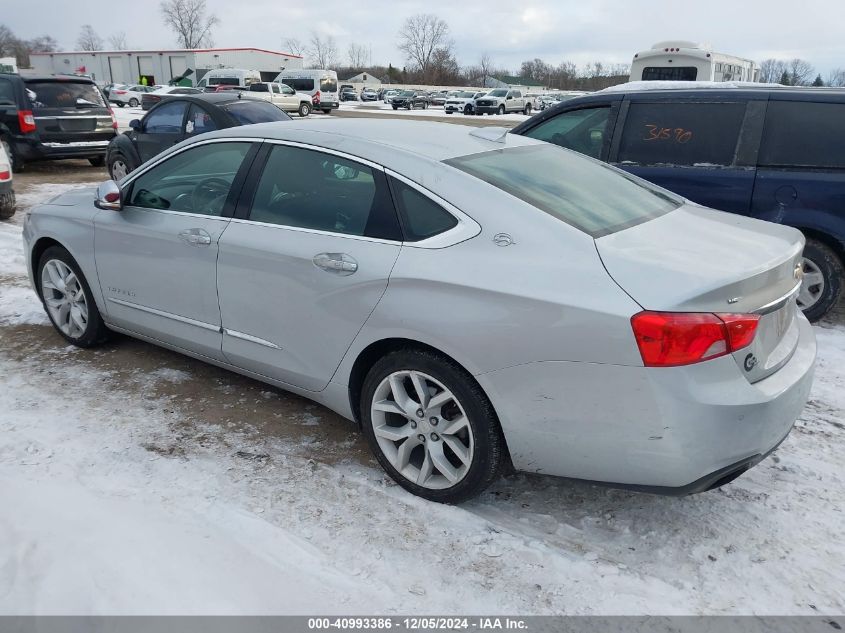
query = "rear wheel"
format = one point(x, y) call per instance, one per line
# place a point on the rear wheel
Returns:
point(327, 111)
point(120, 104)
point(133, 102)
point(304, 109)
point(7, 205)
point(822, 285)
point(430, 426)
point(67, 298)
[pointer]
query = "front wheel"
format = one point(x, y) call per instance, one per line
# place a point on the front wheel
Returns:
point(430, 426)
point(119, 166)
point(822, 284)
point(67, 298)
point(527, 111)
point(17, 165)
point(120, 104)
point(304, 109)
point(501, 109)
point(395, 107)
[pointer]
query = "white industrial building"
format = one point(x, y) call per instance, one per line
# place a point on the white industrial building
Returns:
point(159, 67)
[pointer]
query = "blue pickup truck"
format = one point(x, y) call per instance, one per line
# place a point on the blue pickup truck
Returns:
point(777, 154)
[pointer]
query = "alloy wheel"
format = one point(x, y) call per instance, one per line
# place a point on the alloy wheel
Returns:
point(119, 170)
point(812, 287)
point(64, 298)
point(422, 429)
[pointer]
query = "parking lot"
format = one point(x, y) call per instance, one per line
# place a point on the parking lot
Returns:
point(210, 471)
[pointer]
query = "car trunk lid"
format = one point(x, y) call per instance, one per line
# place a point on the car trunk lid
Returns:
point(698, 260)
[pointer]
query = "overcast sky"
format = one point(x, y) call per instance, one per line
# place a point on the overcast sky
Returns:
point(510, 31)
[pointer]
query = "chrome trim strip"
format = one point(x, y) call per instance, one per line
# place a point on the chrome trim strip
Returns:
point(167, 315)
point(325, 150)
point(777, 304)
point(78, 144)
point(70, 117)
point(250, 338)
point(299, 229)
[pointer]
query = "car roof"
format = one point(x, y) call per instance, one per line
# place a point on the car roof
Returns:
point(77, 78)
point(378, 139)
point(216, 98)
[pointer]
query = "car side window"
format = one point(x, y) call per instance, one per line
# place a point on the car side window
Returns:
point(7, 92)
point(199, 121)
point(166, 118)
point(421, 216)
point(309, 189)
point(197, 180)
point(581, 130)
point(672, 133)
point(802, 134)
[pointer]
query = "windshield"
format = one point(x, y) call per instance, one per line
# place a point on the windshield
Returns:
point(407, 93)
point(223, 81)
point(248, 111)
point(584, 193)
point(64, 94)
point(465, 95)
point(497, 93)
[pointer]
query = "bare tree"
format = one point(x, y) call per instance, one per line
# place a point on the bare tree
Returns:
point(836, 77)
point(771, 70)
point(8, 41)
point(118, 41)
point(295, 46)
point(358, 55)
point(485, 64)
point(43, 44)
point(322, 51)
point(188, 19)
point(420, 37)
point(88, 39)
point(800, 72)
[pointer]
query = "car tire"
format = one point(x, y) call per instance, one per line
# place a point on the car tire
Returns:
point(501, 110)
point(68, 299)
point(443, 465)
point(395, 107)
point(7, 205)
point(304, 109)
point(467, 110)
point(133, 103)
point(823, 280)
point(120, 104)
point(448, 112)
point(97, 161)
point(16, 163)
point(527, 111)
point(119, 166)
point(327, 111)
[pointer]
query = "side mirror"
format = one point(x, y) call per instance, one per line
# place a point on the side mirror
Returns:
point(108, 196)
point(135, 124)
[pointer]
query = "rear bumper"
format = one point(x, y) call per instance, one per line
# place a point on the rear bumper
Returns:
point(5, 186)
point(32, 149)
point(668, 430)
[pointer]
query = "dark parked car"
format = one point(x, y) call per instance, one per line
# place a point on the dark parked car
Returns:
point(348, 94)
point(181, 117)
point(149, 99)
point(410, 99)
point(51, 117)
point(437, 98)
point(773, 154)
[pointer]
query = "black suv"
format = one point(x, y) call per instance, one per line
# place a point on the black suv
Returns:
point(43, 118)
point(777, 154)
point(410, 99)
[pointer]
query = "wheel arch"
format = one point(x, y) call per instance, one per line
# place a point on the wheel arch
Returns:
point(368, 356)
point(825, 238)
point(88, 268)
point(38, 249)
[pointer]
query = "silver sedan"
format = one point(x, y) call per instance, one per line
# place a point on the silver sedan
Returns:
point(473, 300)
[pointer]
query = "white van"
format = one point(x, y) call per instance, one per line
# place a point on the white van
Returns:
point(319, 83)
point(229, 77)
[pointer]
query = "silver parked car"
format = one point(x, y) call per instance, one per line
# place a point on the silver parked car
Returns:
point(470, 298)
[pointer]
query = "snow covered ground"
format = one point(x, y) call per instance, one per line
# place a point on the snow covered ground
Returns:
point(135, 481)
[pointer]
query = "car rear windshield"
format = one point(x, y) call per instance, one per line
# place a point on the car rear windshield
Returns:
point(247, 112)
point(64, 94)
point(589, 195)
point(327, 84)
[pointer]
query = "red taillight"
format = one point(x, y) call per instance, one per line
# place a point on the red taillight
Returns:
point(5, 175)
point(26, 121)
point(113, 119)
point(669, 339)
point(120, 92)
point(316, 98)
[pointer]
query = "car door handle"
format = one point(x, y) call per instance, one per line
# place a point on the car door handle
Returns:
point(195, 237)
point(337, 263)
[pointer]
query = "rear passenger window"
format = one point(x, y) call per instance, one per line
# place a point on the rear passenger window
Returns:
point(681, 133)
point(323, 192)
point(421, 216)
point(804, 134)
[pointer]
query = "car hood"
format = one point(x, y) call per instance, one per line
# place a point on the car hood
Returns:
point(697, 259)
point(74, 197)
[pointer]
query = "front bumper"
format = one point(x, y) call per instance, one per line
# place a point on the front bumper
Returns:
point(668, 430)
point(456, 107)
point(487, 109)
